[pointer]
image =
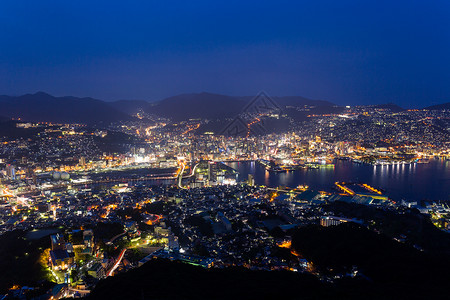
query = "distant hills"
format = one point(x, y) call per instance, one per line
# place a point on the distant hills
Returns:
point(203, 105)
point(129, 107)
point(47, 108)
point(395, 108)
point(215, 106)
point(391, 106)
point(439, 106)
point(42, 107)
point(300, 101)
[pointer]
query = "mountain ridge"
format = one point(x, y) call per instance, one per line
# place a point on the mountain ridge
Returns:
point(217, 106)
point(391, 106)
point(439, 106)
point(130, 107)
point(44, 107)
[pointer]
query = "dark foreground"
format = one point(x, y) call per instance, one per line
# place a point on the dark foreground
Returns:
point(388, 270)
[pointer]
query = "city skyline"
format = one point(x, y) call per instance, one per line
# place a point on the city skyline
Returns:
point(224, 149)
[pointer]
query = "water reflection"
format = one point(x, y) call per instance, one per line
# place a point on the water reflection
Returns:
point(403, 181)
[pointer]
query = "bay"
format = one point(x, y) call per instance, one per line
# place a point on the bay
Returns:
point(410, 182)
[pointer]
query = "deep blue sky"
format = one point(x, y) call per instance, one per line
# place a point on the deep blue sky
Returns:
point(348, 52)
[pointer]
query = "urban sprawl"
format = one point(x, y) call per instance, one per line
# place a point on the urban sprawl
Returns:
point(110, 199)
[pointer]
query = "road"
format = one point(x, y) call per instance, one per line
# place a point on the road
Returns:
point(117, 263)
point(115, 237)
point(180, 175)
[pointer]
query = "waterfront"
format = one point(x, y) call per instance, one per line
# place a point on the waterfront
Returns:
point(411, 182)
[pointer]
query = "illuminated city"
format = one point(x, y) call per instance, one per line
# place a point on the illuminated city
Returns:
point(212, 195)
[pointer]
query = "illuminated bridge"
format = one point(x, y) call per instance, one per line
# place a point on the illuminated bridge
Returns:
point(362, 190)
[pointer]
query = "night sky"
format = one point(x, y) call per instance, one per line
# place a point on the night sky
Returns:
point(347, 52)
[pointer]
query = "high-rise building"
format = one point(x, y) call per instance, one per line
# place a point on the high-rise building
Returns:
point(13, 173)
point(58, 242)
point(251, 180)
point(327, 221)
point(59, 256)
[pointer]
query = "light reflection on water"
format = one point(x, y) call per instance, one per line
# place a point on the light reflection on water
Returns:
point(410, 181)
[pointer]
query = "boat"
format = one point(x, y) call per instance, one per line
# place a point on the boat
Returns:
point(276, 169)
